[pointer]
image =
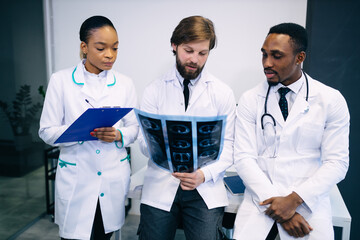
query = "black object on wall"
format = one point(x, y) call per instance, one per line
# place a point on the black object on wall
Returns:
point(334, 58)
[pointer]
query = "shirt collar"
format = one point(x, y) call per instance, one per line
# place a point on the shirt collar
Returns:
point(294, 87)
point(102, 74)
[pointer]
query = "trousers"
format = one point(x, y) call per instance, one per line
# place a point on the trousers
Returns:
point(189, 212)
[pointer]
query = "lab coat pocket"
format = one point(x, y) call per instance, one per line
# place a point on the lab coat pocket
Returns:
point(309, 137)
point(66, 178)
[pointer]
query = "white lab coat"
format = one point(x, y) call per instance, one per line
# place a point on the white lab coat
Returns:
point(312, 157)
point(90, 170)
point(209, 97)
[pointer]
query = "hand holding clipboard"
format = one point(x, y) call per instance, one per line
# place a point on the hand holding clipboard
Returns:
point(92, 118)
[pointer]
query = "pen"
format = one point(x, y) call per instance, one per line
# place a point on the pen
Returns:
point(89, 103)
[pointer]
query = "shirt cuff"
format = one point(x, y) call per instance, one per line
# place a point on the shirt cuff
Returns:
point(207, 174)
point(122, 140)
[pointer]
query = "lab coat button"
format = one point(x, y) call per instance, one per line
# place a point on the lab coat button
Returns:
point(99, 173)
point(102, 194)
point(97, 151)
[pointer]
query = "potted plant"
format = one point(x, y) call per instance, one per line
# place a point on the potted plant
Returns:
point(21, 116)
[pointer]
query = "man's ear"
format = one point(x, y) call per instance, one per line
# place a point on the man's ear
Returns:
point(174, 47)
point(300, 58)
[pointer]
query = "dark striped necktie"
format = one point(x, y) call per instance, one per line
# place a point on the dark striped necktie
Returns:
point(186, 92)
point(283, 102)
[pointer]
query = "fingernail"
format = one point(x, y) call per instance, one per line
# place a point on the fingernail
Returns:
point(95, 130)
point(92, 134)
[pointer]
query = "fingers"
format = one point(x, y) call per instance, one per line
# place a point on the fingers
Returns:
point(187, 182)
point(187, 186)
point(297, 226)
point(105, 129)
point(306, 228)
point(281, 208)
point(187, 178)
point(107, 134)
point(267, 201)
point(190, 181)
point(181, 175)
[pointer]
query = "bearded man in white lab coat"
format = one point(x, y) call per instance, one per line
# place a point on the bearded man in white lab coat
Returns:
point(195, 199)
point(290, 156)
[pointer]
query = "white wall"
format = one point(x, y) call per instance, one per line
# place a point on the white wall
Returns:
point(145, 27)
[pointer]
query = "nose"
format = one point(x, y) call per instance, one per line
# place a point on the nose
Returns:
point(194, 58)
point(109, 54)
point(267, 63)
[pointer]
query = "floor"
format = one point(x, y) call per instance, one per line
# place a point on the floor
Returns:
point(23, 207)
point(22, 199)
point(45, 229)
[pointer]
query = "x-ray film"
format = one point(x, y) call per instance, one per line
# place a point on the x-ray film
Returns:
point(182, 143)
point(153, 133)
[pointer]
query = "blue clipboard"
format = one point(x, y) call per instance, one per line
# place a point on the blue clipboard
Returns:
point(92, 118)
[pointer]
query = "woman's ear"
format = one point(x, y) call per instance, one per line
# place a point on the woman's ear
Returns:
point(84, 48)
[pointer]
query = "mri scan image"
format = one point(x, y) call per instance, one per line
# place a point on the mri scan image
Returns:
point(208, 141)
point(155, 139)
point(182, 143)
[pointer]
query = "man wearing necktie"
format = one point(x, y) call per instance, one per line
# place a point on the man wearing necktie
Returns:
point(194, 200)
point(306, 126)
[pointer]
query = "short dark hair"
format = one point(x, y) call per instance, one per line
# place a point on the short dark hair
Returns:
point(297, 33)
point(194, 28)
point(91, 24)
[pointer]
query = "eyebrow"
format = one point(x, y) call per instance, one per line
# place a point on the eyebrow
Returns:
point(102, 43)
point(187, 46)
point(272, 51)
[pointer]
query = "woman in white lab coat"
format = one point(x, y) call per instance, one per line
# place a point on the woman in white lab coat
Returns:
point(92, 177)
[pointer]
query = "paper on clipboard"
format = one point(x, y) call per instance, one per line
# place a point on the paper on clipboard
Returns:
point(92, 118)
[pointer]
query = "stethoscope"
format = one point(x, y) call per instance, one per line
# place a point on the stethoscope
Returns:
point(266, 114)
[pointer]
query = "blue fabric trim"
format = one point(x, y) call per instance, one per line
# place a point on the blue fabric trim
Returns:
point(73, 78)
point(122, 140)
point(112, 84)
point(64, 164)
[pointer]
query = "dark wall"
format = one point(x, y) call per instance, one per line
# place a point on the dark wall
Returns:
point(334, 59)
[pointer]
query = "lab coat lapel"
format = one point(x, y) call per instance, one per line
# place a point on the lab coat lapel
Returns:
point(198, 90)
point(300, 106)
point(110, 81)
point(79, 79)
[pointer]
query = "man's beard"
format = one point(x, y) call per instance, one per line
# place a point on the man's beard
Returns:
point(273, 83)
point(188, 75)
